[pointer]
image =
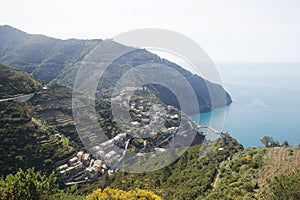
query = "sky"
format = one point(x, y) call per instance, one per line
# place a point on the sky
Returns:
point(229, 31)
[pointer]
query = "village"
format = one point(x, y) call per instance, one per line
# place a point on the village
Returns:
point(152, 129)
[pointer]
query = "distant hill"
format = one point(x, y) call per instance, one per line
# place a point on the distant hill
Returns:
point(14, 82)
point(53, 60)
point(39, 55)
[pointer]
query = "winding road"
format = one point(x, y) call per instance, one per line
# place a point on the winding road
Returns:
point(21, 98)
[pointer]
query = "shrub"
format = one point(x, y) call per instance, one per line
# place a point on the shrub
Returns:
point(115, 194)
point(27, 185)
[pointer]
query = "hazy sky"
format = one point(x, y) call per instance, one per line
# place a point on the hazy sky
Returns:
point(231, 30)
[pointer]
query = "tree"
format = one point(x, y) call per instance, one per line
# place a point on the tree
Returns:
point(266, 140)
point(157, 183)
point(183, 161)
point(285, 144)
point(28, 185)
point(269, 142)
point(166, 172)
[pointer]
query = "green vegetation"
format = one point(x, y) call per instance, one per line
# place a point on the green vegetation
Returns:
point(15, 83)
point(237, 175)
point(28, 142)
point(189, 177)
point(285, 186)
point(27, 185)
point(229, 173)
point(33, 185)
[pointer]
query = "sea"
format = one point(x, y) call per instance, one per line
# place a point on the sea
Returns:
point(266, 101)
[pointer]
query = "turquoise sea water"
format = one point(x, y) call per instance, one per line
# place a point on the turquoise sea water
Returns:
point(266, 101)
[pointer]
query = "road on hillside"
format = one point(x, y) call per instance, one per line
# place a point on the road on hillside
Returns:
point(21, 98)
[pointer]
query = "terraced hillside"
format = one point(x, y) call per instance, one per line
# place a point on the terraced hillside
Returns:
point(54, 106)
point(280, 160)
point(25, 139)
point(28, 142)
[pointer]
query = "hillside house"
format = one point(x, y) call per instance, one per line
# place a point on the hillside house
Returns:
point(73, 160)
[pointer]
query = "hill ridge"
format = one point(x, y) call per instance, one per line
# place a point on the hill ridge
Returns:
point(54, 60)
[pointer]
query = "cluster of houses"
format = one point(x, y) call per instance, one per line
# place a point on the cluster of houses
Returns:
point(149, 120)
point(109, 150)
point(82, 167)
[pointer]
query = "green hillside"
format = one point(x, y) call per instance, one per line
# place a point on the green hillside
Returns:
point(14, 82)
point(231, 173)
point(189, 177)
point(39, 55)
point(53, 60)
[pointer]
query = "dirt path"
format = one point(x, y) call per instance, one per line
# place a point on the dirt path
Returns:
point(217, 179)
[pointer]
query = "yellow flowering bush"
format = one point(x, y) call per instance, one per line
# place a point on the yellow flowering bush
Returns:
point(115, 194)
